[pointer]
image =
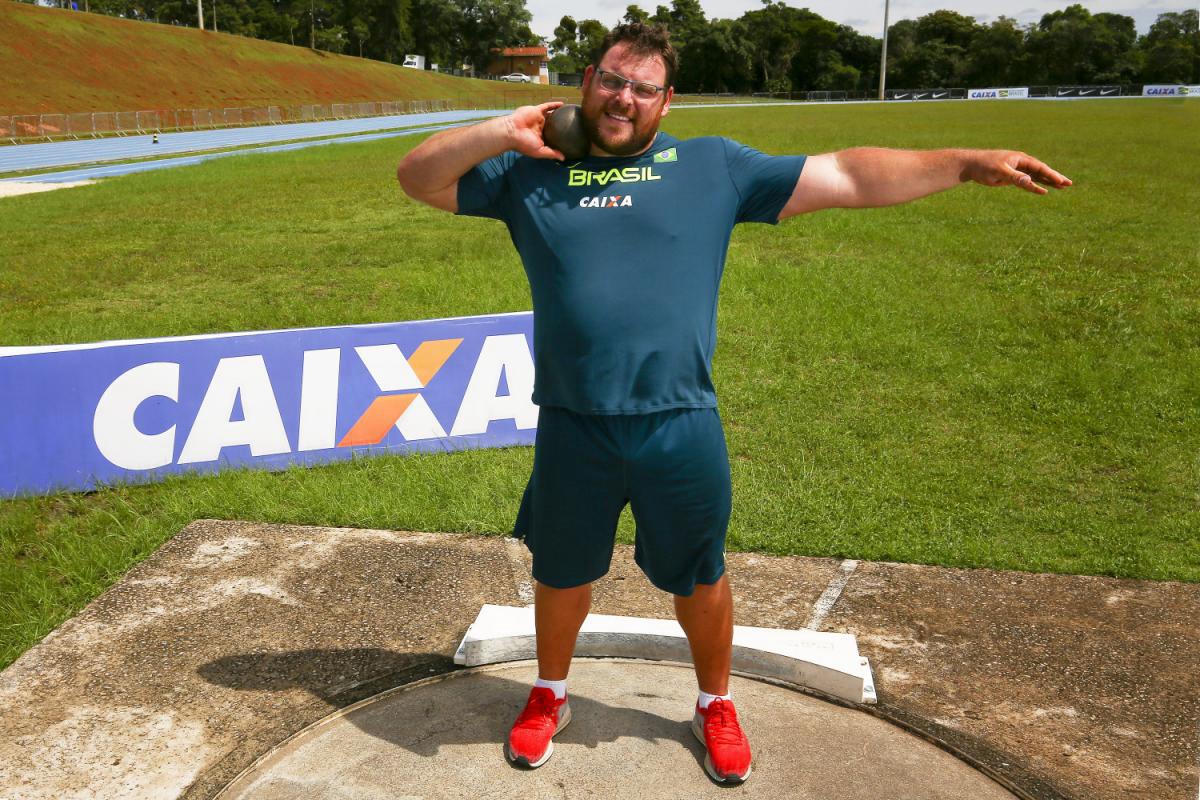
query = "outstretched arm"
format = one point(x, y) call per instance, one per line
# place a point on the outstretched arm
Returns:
point(868, 177)
point(431, 171)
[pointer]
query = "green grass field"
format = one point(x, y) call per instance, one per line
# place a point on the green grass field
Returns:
point(983, 378)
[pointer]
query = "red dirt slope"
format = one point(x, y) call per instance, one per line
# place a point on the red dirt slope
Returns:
point(53, 60)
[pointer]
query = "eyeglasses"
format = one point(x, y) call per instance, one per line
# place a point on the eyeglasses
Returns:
point(642, 90)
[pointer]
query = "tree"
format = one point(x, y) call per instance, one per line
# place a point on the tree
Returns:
point(486, 25)
point(331, 38)
point(937, 53)
point(435, 30)
point(716, 60)
point(1072, 46)
point(360, 31)
point(860, 52)
point(563, 63)
point(390, 22)
point(564, 46)
point(947, 26)
point(902, 37)
point(774, 35)
point(995, 54)
point(1113, 55)
point(591, 35)
point(1171, 49)
point(635, 13)
point(815, 53)
point(686, 20)
point(289, 23)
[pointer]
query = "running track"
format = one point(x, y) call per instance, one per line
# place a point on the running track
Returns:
point(117, 148)
point(113, 170)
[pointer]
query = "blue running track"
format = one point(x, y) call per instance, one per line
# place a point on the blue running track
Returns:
point(91, 151)
point(113, 170)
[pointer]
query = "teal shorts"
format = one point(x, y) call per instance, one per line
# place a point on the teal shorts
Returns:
point(671, 467)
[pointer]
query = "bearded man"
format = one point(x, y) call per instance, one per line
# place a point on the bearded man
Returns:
point(624, 252)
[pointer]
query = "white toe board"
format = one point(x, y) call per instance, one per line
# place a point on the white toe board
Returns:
point(827, 662)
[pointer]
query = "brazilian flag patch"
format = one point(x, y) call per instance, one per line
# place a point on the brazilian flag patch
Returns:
point(666, 156)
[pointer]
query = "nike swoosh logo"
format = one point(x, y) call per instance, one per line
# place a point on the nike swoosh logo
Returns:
point(1061, 92)
point(1109, 91)
point(1086, 91)
point(943, 94)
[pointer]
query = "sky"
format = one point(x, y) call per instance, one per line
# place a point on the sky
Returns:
point(866, 16)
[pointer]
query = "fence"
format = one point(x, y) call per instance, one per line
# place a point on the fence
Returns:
point(15, 128)
point(1072, 91)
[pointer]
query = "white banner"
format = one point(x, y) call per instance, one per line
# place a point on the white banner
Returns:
point(1170, 90)
point(998, 94)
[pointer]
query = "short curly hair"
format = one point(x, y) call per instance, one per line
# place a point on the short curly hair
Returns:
point(643, 39)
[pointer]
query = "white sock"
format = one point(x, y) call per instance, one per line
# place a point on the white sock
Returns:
point(559, 687)
point(706, 698)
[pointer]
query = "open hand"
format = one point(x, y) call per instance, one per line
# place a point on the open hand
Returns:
point(1004, 167)
point(525, 131)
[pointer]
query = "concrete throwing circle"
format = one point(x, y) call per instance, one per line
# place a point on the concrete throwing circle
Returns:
point(629, 736)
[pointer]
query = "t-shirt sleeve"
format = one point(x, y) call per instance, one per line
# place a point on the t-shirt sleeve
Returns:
point(764, 183)
point(484, 191)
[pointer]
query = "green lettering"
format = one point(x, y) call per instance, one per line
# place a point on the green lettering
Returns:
point(583, 177)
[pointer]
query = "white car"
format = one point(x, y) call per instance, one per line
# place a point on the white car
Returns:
point(517, 77)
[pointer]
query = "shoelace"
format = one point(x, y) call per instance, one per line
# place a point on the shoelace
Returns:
point(540, 711)
point(722, 723)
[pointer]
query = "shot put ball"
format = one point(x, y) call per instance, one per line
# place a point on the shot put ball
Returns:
point(564, 132)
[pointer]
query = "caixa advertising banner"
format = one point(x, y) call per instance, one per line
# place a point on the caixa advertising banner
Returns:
point(1172, 90)
point(78, 417)
point(1011, 93)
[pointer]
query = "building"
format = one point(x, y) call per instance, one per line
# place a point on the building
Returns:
point(531, 61)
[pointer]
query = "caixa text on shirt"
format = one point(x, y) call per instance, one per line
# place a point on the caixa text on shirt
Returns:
point(584, 177)
point(606, 201)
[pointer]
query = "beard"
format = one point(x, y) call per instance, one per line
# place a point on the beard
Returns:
point(636, 141)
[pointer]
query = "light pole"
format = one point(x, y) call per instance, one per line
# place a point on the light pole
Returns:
point(883, 57)
point(200, 13)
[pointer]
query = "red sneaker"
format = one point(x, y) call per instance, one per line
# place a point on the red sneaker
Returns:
point(529, 742)
point(728, 758)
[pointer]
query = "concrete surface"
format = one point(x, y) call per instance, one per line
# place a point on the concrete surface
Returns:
point(234, 636)
point(630, 736)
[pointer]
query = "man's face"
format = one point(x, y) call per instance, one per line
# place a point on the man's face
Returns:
point(621, 123)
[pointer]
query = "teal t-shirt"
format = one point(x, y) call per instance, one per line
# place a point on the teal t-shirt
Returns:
point(624, 257)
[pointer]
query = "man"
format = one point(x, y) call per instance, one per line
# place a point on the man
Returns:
point(624, 252)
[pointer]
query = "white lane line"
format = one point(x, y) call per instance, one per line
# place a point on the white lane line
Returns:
point(831, 594)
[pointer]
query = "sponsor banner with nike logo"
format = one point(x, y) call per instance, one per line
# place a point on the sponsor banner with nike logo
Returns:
point(927, 94)
point(1011, 93)
point(77, 417)
point(1170, 90)
point(1086, 91)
